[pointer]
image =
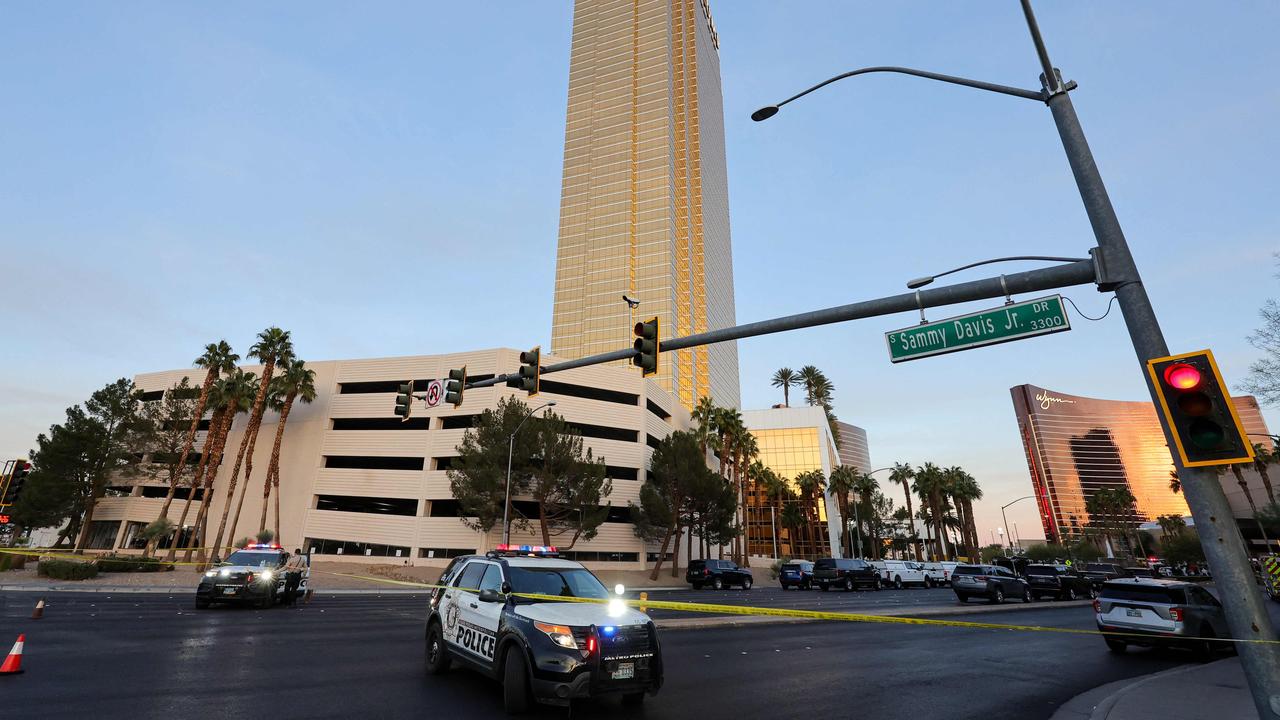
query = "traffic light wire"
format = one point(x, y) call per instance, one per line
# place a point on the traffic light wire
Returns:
point(1086, 317)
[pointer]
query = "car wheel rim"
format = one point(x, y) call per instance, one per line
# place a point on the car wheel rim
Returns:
point(433, 653)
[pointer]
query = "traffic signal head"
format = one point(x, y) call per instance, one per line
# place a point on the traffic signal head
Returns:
point(455, 385)
point(1194, 402)
point(17, 477)
point(647, 346)
point(404, 401)
point(530, 370)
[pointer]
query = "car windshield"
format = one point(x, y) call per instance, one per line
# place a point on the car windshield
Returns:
point(1143, 593)
point(1042, 570)
point(793, 566)
point(968, 570)
point(1100, 567)
point(562, 582)
point(254, 559)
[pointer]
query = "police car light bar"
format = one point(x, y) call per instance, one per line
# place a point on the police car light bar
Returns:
point(527, 549)
point(262, 546)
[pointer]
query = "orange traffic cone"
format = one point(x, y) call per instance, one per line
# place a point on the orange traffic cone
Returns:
point(13, 664)
point(39, 611)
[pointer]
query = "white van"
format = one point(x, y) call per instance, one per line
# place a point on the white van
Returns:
point(899, 573)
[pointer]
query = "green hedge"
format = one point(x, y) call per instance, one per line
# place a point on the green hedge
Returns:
point(67, 569)
point(131, 563)
point(12, 561)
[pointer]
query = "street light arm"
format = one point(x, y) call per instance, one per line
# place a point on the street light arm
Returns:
point(922, 281)
point(768, 112)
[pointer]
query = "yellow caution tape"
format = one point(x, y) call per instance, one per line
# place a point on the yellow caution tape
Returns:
point(804, 614)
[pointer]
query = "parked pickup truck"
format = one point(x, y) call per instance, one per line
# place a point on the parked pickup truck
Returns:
point(899, 573)
point(939, 573)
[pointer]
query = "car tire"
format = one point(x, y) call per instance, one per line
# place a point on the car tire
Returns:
point(717, 583)
point(633, 699)
point(202, 604)
point(806, 585)
point(1027, 597)
point(878, 585)
point(1069, 595)
point(1205, 649)
point(824, 587)
point(438, 660)
point(997, 597)
point(897, 583)
point(1093, 592)
point(928, 582)
point(1117, 646)
point(696, 586)
point(962, 599)
point(515, 682)
point(746, 583)
point(848, 585)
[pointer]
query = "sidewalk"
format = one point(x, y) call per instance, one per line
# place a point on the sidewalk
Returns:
point(1215, 691)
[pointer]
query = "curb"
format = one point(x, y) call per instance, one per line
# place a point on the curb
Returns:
point(1110, 694)
point(717, 621)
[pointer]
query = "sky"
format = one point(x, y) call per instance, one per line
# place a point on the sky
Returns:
point(384, 180)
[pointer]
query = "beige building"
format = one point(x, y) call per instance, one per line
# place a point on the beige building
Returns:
point(644, 204)
point(356, 481)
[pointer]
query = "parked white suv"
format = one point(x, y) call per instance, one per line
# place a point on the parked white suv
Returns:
point(939, 573)
point(899, 573)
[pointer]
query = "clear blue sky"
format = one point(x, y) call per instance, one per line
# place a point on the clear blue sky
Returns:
point(171, 174)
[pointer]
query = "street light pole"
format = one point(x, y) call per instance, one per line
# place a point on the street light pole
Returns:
point(506, 500)
point(1116, 271)
point(855, 533)
point(1006, 520)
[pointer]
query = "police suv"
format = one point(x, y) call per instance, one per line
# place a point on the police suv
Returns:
point(258, 573)
point(540, 649)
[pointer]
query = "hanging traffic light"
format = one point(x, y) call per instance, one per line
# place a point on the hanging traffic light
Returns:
point(647, 345)
point(455, 386)
point(404, 401)
point(530, 370)
point(17, 477)
point(1194, 401)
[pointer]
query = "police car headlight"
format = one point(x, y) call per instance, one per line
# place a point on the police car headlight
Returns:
point(211, 573)
point(616, 607)
point(559, 635)
point(266, 574)
point(224, 572)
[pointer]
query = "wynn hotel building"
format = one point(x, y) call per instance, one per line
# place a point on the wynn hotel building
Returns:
point(644, 208)
point(1078, 445)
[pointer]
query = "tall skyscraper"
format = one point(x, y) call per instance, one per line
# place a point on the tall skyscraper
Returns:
point(644, 209)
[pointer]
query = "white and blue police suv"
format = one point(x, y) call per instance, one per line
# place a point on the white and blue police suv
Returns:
point(541, 649)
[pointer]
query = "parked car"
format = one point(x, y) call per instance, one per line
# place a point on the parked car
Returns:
point(847, 573)
point(1016, 564)
point(1141, 572)
point(796, 574)
point(1160, 612)
point(1100, 572)
point(902, 572)
point(717, 574)
point(990, 581)
point(1058, 581)
point(939, 573)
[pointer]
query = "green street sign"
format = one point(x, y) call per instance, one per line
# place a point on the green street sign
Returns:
point(1011, 322)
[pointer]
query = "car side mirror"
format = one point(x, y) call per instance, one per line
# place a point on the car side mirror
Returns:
point(506, 588)
point(491, 595)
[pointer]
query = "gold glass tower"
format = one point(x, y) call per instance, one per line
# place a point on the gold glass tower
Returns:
point(644, 209)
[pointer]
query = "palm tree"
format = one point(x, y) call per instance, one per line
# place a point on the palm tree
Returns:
point(728, 423)
point(273, 347)
point(844, 480)
point(930, 485)
point(1171, 524)
point(964, 490)
point(296, 382)
point(747, 459)
point(704, 415)
point(903, 473)
point(811, 484)
point(786, 379)
point(1262, 457)
point(1253, 508)
point(792, 516)
point(867, 486)
point(812, 380)
point(1175, 482)
point(775, 490)
point(235, 393)
point(218, 359)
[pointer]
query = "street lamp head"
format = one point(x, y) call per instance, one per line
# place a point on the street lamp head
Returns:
point(551, 403)
point(764, 113)
point(919, 282)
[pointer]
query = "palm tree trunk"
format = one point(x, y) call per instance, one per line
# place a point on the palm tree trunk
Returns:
point(201, 532)
point(1235, 469)
point(939, 522)
point(197, 415)
point(246, 449)
point(675, 553)
point(662, 554)
point(212, 451)
point(964, 527)
point(216, 545)
point(1266, 483)
point(273, 468)
point(235, 519)
point(275, 486)
point(911, 520)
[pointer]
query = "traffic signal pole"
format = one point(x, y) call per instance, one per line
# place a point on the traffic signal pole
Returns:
point(1220, 536)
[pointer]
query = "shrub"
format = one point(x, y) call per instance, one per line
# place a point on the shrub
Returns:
point(131, 563)
point(775, 568)
point(12, 561)
point(266, 536)
point(67, 569)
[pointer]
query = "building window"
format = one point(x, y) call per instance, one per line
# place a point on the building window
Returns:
point(590, 393)
point(179, 493)
point(391, 386)
point(369, 462)
point(444, 552)
point(391, 423)
point(458, 422)
point(621, 473)
point(604, 432)
point(652, 441)
point(317, 546)
point(102, 534)
point(444, 508)
point(653, 408)
point(443, 463)
point(375, 505)
point(601, 556)
point(151, 396)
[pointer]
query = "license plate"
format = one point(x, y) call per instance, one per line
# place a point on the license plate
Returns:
point(624, 671)
point(1133, 612)
point(228, 591)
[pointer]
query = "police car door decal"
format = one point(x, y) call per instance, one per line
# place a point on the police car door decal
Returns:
point(478, 625)
point(464, 624)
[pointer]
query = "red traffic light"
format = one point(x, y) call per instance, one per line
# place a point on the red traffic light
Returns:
point(4, 519)
point(1183, 376)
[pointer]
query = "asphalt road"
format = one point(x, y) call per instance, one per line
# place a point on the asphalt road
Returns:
point(154, 656)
